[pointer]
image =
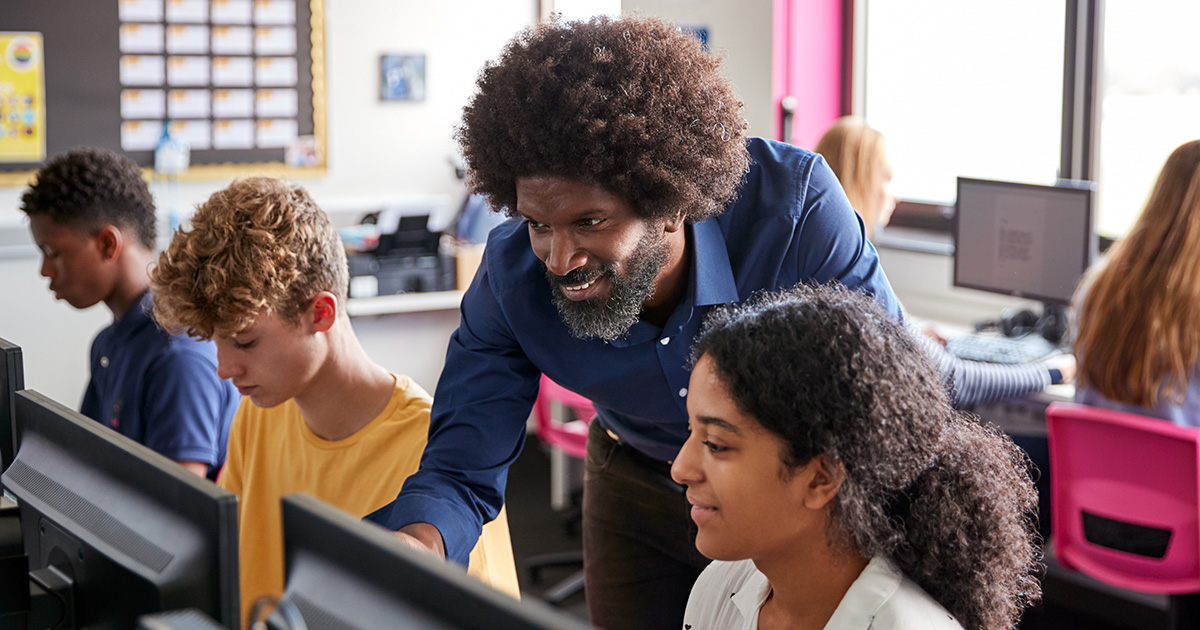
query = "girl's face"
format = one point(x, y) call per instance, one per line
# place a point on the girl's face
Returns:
point(881, 194)
point(745, 501)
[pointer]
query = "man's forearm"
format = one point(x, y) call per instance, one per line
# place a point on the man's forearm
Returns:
point(425, 537)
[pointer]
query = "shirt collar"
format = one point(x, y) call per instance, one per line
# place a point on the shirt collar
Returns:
point(137, 315)
point(752, 595)
point(874, 586)
point(712, 275)
point(711, 283)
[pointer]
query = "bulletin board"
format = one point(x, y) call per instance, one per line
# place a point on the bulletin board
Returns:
point(241, 81)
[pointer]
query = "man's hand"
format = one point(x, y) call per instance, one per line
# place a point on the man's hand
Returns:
point(423, 537)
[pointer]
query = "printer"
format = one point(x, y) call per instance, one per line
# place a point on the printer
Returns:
point(406, 258)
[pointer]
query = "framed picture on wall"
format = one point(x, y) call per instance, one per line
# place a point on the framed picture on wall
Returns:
point(402, 77)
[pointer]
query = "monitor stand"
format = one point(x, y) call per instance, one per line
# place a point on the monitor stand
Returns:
point(29, 599)
point(1054, 322)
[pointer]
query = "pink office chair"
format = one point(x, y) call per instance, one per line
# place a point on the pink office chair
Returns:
point(561, 417)
point(561, 432)
point(1125, 500)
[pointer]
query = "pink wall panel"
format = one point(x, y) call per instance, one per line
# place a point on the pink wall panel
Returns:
point(808, 65)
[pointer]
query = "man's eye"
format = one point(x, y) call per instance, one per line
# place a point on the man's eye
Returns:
point(590, 222)
point(714, 448)
point(240, 345)
point(534, 225)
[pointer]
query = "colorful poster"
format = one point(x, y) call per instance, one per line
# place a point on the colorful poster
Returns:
point(22, 98)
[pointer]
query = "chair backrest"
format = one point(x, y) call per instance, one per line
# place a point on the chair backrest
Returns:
point(570, 435)
point(1124, 498)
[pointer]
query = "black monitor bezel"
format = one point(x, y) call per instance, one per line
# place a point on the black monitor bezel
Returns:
point(12, 380)
point(1083, 188)
point(315, 529)
point(132, 466)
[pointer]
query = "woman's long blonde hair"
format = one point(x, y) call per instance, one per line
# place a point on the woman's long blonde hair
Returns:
point(855, 152)
point(1139, 323)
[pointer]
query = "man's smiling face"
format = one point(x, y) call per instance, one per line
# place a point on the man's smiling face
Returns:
point(602, 260)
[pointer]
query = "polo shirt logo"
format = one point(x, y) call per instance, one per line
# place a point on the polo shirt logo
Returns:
point(114, 420)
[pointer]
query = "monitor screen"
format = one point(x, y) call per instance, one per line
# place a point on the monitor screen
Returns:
point(12, 380)
point(345, 573)
point(133, 531)
point(1024, 240)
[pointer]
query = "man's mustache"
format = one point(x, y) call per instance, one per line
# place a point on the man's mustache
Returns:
point(582, 275)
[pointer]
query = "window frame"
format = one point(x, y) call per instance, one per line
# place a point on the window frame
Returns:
point(1084, 25)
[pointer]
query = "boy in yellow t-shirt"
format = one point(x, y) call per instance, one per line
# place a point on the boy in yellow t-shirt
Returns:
point(263, 273)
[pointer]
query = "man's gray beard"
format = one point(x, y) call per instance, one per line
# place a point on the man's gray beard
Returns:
point(611, 320)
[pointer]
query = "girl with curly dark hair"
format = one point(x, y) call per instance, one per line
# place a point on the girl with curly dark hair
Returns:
point(836, 486)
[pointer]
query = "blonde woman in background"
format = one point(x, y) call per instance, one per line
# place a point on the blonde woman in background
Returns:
point(858, 156)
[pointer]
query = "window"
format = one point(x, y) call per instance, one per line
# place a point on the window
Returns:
point(1149, 101)
point(962, 88)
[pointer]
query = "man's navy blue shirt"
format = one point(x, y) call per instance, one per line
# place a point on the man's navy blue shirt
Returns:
point(161, 390)
point(790, 223)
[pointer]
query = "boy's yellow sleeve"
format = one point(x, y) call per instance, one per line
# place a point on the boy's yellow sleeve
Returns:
point(231, 473)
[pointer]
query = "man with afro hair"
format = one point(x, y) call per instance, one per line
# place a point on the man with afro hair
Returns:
point(93, 219)
point(638, 205)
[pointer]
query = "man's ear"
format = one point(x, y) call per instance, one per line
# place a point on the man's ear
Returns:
point(675, 223)
point(323, 311)
point(825, 479)
point(111, 242)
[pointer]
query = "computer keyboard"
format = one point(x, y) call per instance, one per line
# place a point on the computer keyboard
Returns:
point(997, 349)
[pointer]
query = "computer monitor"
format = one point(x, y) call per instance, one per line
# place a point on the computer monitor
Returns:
point(12, 380)
point(127, 530)
point(345, 573)
point(1024, 240)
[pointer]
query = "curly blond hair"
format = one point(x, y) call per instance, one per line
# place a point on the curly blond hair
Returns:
point(260, 245)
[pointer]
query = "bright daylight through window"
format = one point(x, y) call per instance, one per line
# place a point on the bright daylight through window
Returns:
point(965, 88)
point(1149, 101)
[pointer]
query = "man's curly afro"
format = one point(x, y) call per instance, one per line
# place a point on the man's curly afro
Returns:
point(633, 105)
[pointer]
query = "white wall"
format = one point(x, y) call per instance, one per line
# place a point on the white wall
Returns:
point(384, 151)
point(742, 32)
point(378, 151)
point(54, 337)
point(924, 284)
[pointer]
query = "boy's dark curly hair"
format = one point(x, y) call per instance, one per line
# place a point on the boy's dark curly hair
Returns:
point(948, 499)
point(89, 187)
point(633, 105)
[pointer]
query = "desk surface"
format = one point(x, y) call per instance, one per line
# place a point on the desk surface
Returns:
point(1016, 416)
point(1025, 415)
point(404, 303)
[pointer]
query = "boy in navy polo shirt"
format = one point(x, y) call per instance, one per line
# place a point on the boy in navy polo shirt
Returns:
point(93, 218)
